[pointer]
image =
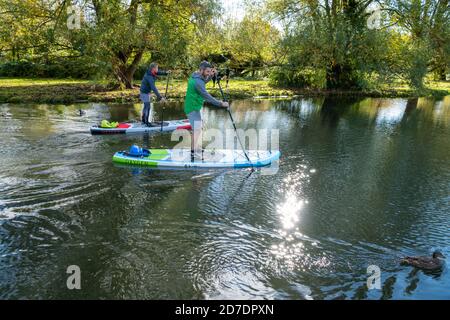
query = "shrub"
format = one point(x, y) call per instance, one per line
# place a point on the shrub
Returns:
point(299, 78)
point(60, 68)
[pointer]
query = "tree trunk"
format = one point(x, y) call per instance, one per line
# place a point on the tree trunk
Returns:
point(340, 76)
point(442, 74)
point(124, 73)
point(124, 77)
point(126, 80)
point(411, 104)
point(333, 75)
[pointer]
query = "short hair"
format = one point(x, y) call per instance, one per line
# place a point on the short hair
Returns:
point(153, 65)
point(205, 64)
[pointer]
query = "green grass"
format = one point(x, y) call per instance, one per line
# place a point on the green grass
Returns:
point(439, 85)
point(18, 82)
point(21, 90)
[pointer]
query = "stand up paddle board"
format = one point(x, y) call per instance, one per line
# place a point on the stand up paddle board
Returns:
point(135, 128)
point(181, 158)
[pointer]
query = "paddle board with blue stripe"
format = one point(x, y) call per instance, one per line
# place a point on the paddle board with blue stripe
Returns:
point(212, 158)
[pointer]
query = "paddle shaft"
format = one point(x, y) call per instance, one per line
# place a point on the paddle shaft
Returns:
point(167, 84)
point(234, 124)
point(165, 95)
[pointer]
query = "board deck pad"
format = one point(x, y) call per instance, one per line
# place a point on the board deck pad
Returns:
point(212, 158)
point(136, 128)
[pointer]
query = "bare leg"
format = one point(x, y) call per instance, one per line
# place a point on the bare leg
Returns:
point(197, 141)
point(195, 120)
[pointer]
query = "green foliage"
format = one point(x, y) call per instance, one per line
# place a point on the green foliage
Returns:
point(249, 45)
point(416, 60)
point(427, 45)
point(124, 31)
point(334, 38)
point(253, 43)
point(58, 68)
point(298, 78)
point(207, 43)
point(324, 44)
point(115, 35)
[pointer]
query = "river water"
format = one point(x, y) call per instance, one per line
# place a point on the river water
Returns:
point(360, 182)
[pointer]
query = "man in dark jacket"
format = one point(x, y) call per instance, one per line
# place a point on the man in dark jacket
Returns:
point(147, 86)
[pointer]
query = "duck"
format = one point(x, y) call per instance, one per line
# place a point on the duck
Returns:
point(81, 112)
point(435, 262)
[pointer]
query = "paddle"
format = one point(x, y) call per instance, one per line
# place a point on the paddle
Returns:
point(167, 85)
point(234, 124)
point(165, 95)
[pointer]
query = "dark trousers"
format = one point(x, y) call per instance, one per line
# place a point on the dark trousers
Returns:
point(145, 98)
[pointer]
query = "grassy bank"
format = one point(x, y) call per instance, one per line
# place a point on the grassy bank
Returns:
point(70, 91)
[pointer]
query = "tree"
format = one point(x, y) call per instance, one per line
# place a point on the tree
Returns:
point(330, 35)
point(246, 45)
point(116, 34)
point(253, 43)
point(123, 31)
point(28, 28)
point(208, 43)
point(428, 24)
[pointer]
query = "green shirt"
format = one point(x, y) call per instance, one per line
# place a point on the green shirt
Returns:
point(196, 94)
point(194, 101)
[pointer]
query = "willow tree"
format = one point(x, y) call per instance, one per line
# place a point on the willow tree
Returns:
point(330, 35)
point(427, 24)
point(29, 29)
point(116, 34)
point(252, 43)
point(245, 45)
point(121, 32)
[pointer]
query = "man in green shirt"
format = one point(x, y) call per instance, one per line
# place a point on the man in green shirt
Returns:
point(196, 95)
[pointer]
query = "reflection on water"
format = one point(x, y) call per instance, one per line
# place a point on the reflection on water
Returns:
point(289, 211)
point(360, 182)
point(392, 113)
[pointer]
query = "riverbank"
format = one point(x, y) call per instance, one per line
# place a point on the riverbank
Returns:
point(71, 91)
